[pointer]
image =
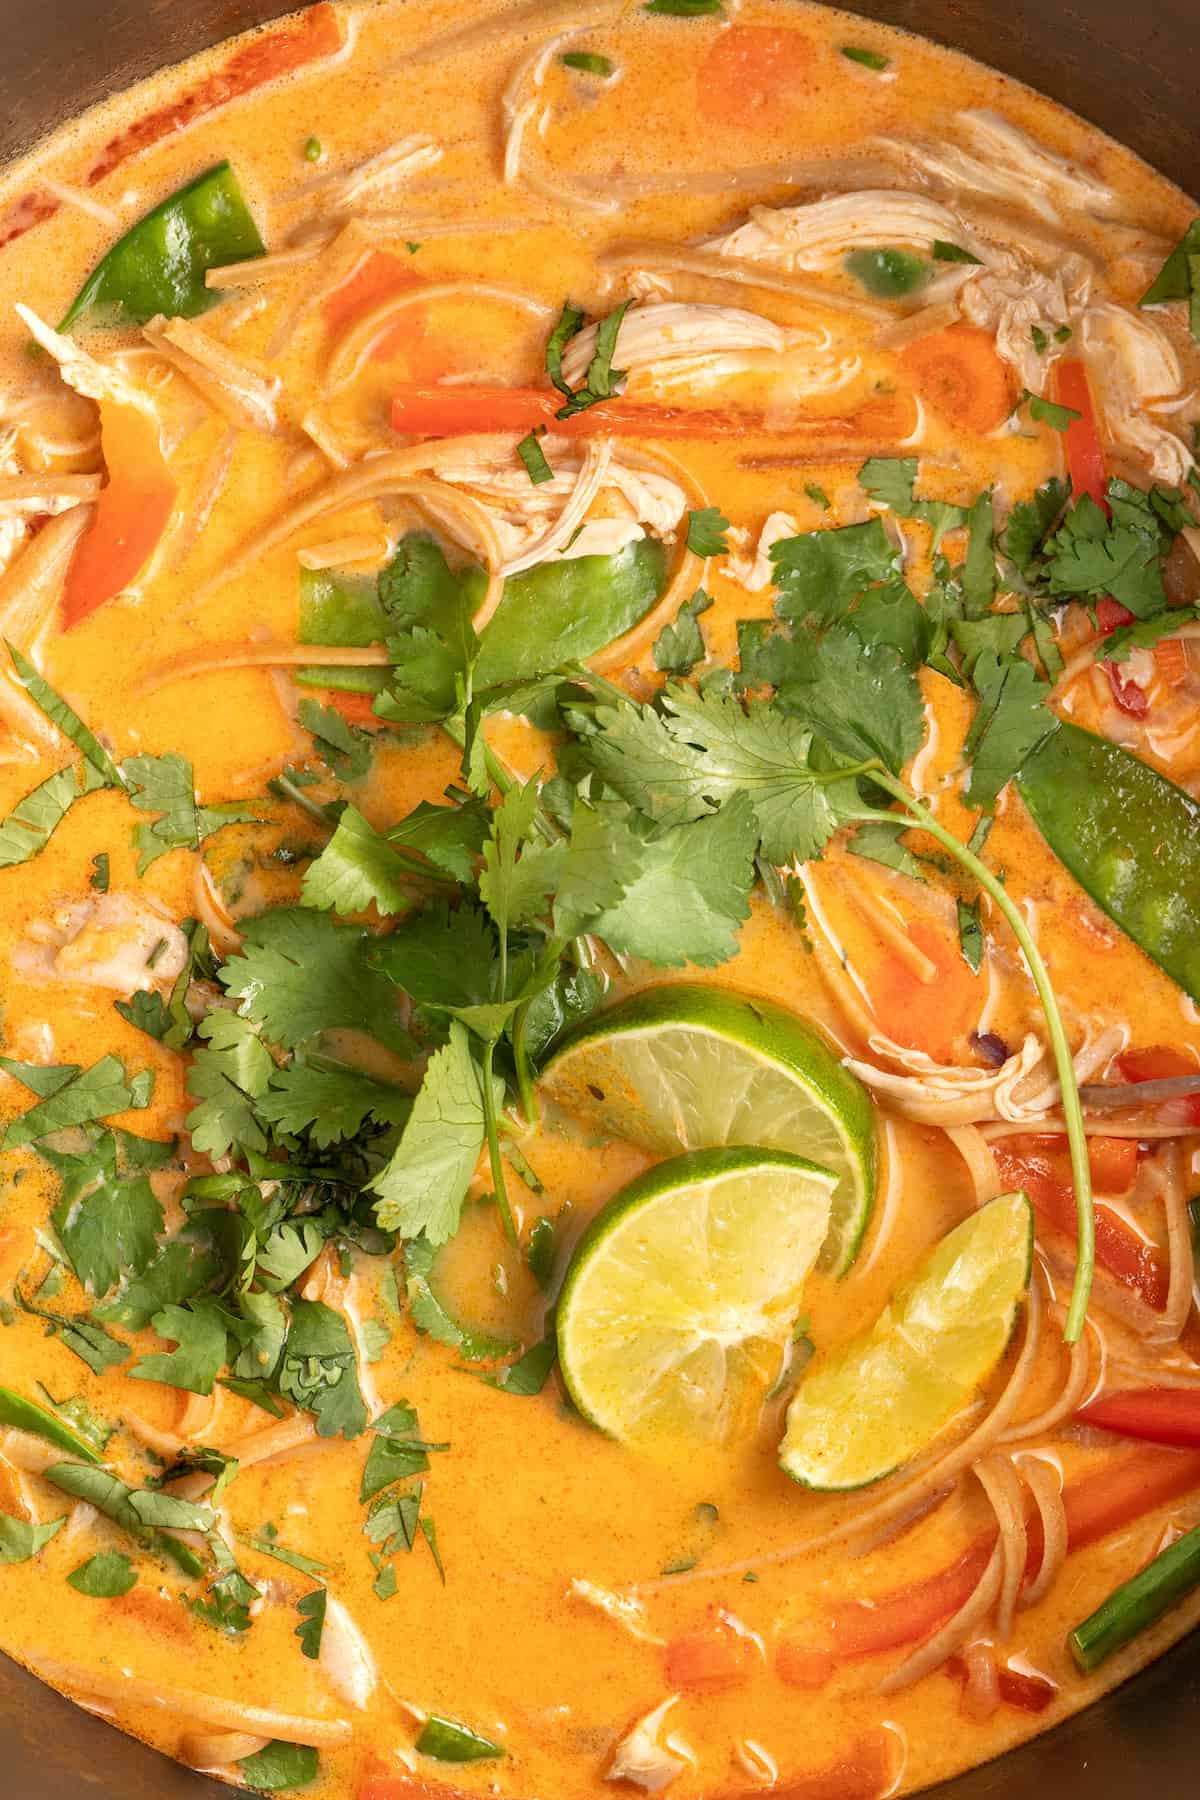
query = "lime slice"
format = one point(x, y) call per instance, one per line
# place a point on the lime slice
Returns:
point(681, 1293)
point(683, 1067)
point(875, 1402)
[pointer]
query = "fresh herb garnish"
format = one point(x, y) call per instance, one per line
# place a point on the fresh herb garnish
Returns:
point(534, 457)
point(870, 59)
point(589, 62)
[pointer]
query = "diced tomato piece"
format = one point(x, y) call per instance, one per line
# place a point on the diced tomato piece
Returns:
point(1159, 1062)
point(1027, 1693)
point(1042, 1166)
point(708, 1661)
point(1110, 613)
point(356, 709)
point(1114, 1163)
point(1157, 1415)
point(1085, 457)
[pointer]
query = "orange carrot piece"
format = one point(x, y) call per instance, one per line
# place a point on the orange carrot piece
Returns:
point(753, 72)
point(960, 374)
point(377, 276)
point(927, 1015)
point(708, 1661)
point(1171, 660)
point(131, 514)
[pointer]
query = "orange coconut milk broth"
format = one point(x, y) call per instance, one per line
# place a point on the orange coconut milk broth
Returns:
point(527, 1499)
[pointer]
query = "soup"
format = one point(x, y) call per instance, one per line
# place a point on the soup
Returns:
point(599, 853)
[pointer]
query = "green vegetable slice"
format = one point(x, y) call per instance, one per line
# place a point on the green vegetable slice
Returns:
point(1129, 836)
point(1137, 1603)
point(160, 263)
point(451, 1742)
point(889, 274)
point(343, 611)
point(877, 1401)
point(20, 1414)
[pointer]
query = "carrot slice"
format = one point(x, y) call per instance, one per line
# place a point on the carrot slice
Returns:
point(927, 1015)
point(1171, 661)
point(960, 374)
point(131, 514)
point(753, 72)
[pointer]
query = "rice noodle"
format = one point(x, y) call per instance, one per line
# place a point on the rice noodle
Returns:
point(206, 1750)
point(325, 438)
point(570, 15)
point(1000, 1483)
point(395, 162)
point(357, 342)
point(872, 907)
point(47, 493)
point(275, 1440)
point(266, 656)
point(1065, 1405)
point(901, 1500)
point(714, 267)
point(1045, 1485)
point(975, 1151)
point(1053, 1125)
point(825, 175)
point(917, 325)
point(212, 912)
point(945, 1642)
point(593, 467)
point(521, 108)
point(277, 266)
point(209, 488)
point(81, 202)
point(190, 1704)
point(29, 592)
point(1181, 1258)
point(245, 393)
point(363, 547)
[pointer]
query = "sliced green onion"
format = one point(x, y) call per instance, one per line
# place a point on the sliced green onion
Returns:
point(870, 59)
point(588, 62)
point(1136, 1604)
point(449, 1741)
point(534, 458)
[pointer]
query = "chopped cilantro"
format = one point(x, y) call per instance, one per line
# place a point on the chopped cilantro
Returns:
point(970, 935)
point(888, 274)
point(706, 532)
point(1048, 412)
point(533, 456)
point(680, 645)
point(311, 1608)
point(105, 1576)
point(870, 59)
point(589, 62)
point(951, 253)
point(98, 880)
point(279, 1765)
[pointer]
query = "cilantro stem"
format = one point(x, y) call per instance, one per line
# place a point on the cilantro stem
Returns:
point(492, 1127)
point(1072, 1108)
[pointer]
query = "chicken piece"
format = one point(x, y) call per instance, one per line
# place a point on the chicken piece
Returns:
point(112, 942)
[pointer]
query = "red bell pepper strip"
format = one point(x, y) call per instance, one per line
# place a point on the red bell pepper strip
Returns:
point(1085, 458)
point(1157, 1415)
point(131, 514)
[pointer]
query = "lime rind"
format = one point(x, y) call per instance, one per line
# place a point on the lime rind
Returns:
point(681, 1293)
point(874, 1403)
point(683, 1067)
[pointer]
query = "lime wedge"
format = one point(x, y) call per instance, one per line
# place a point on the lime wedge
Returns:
point(683, 1067)
point(681, 1293)
point(876, 1401)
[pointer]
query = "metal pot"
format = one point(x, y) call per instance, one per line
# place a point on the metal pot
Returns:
point(1129, 70)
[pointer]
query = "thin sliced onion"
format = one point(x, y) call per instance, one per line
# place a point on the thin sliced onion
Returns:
point(362, 547)
point(982, 1695)
point(275, 1440)
point(29, 591)
point(1044, 1484)
point(945, 1642)
point(571, 15)
point(265, 268)
point(1067, 1403)
point(166, 1444)
point(1181, 1258)
point(1000, 1483)
point(917, 325)
point(218, 1749)
point(191, 1704)
point(975, 1151)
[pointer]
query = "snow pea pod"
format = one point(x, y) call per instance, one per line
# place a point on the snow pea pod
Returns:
point(449, 1741)
point(556, 613)
point(20, 1414)
point(158, 266)
point(1130, 837)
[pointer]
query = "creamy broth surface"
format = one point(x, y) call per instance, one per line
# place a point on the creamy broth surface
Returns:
point(553, 1630)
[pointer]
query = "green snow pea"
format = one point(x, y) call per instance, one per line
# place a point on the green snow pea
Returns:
point(159, 264)
point(1129, 836)
point(20, 1414)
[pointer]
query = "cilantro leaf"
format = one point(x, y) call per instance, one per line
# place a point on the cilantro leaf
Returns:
point(345, 749)
point(178, 1271)
point(527, 1376)
point(30, 825)
point(1088, 555)
point(689, 890)
point(65, 717)
point(199, 1334)
point(90, 1343)
point(890, 480)
point(425, 1183)
point(397, 1451)
point(880, 843)
point(329, 1104)
point(163, 784)
point(1029, 522)
point(821, 573)
point(227, 1077)
point(979, 569)
point(516, 880)
point(311, 1608)
point(534, 457)
point(569, 325)
point(891, 614)
point(319, 1369)
point(105, 1576)
point(300, 973)
point(107, 1220)
point(20, 1541)
point(358, 868)
point(860, 698)
point(434, 648)
point(706, 530)
point(680, 646)
point(600, 381)
point(1012, 721)
point(442, 956)
point(450, 836)
point(92, 1094)
point(970, 934)
point(1175, 280)
point(1144, 633)
point(1048, 412)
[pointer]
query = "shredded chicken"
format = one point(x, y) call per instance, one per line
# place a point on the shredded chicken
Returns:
point(105, 942)
point(245, 393)
point(1023, 1090)
point(663, 331)
point(1006, 164)
point(622, 1609)
point(756, 572)
point(88, 376)
point(816, 236)
point(1010, 300)
point(642, 1759)
point(1134, 367)
point(346, 1657)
